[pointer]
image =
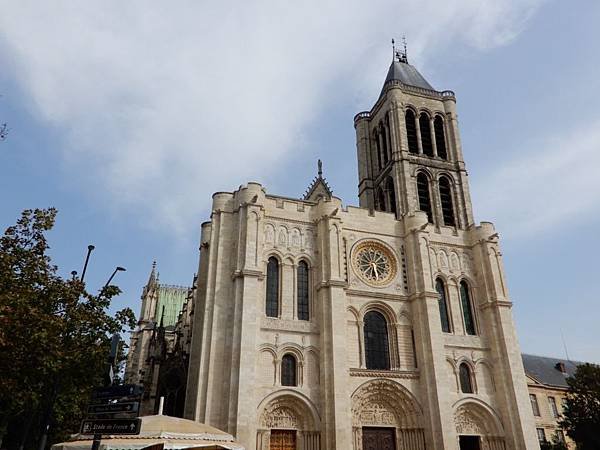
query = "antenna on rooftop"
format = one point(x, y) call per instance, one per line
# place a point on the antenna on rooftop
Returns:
point(562, 336)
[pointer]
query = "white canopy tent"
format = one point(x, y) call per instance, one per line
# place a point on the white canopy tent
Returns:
point(159, 432)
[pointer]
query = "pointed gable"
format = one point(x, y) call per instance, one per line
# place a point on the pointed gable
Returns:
point(319, 187)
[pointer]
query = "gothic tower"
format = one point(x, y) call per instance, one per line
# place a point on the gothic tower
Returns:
point(409, 152)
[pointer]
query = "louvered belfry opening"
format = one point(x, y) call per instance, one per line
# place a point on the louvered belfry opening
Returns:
point(446, 201)
point(426, 143)
point(424, 197)
point(440, 138)
point(411, 131)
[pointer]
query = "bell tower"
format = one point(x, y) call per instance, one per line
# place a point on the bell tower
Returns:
point(409, 151)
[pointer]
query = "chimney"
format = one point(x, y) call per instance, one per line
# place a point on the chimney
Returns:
point(560, 366)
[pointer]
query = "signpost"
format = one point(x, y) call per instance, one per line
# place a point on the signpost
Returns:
point(113, 410)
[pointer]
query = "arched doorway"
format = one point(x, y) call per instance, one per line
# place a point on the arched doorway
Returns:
point(288, 422)
point(478, 427)
point(386, 416)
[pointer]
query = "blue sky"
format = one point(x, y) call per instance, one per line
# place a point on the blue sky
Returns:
point(127, 117)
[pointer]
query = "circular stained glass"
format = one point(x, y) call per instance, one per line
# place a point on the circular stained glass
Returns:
point(374, 263)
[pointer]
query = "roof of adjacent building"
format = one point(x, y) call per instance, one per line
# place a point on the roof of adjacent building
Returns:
point(547, 371)
point(407, 74)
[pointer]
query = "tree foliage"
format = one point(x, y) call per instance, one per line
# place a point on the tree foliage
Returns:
point(581, 411)
point(54, 336)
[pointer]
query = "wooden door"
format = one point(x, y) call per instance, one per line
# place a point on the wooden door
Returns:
point(379, 439)
point(283, 440)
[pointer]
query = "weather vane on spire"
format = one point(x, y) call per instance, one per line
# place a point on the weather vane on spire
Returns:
point(400, 55)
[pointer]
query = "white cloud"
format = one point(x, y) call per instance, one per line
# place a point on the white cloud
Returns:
point(554, 184)
point(162, 104)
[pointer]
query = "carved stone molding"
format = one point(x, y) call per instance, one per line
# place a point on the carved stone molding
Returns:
point(406, 374)
point(301, 326)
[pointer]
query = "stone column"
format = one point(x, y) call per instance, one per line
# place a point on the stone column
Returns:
point(432, 131)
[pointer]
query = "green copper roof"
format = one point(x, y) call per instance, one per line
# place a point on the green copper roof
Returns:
point(172, 298)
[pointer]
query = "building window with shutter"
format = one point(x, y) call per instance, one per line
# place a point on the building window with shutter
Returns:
point(541, 435)
point(553, 408)
point(534, 405)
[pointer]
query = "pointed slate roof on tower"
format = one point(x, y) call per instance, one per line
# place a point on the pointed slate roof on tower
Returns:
point(319, 187)
point(401, 71)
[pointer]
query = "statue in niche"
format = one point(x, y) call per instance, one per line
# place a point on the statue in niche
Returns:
point(296, 238)
point(269, 234)
point(282, 237)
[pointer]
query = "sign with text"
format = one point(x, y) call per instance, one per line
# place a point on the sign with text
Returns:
point(118, 391)
point(114, 408)
point(111, 426)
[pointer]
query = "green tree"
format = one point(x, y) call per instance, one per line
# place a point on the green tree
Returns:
point(54, 336)
point(581, 412)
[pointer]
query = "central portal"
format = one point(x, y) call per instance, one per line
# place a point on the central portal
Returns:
point(283, 440)
point(469, 442)
point(376, 438)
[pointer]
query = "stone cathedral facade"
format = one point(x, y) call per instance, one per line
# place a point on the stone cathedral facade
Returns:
point(386, 326)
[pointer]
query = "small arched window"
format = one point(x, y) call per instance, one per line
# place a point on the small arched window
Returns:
point(446, 201)
point(376, 341)
point(423, 194)
point(411, 131)
point(272, 304)
point(391, 194)
point(288, 370)
point(426, 143)
point(443, 305)
point(464, 375)
point(467, 307)
point(302, 283)
point(440, 138)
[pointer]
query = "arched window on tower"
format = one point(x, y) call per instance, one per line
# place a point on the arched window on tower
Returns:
point(443, 305)
point(464, 376)
point(302, 282)
point(411, 131)
point(391, 194)
point(377, 157)
point(389, 138)
point(446, 201)
point(288, 370)
point(384, 144)
point(376, 341)
point(423, 195)
point(426, 143)
point(467, 307)
point(440, 138)
point(272, 297)
point(380, 200)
